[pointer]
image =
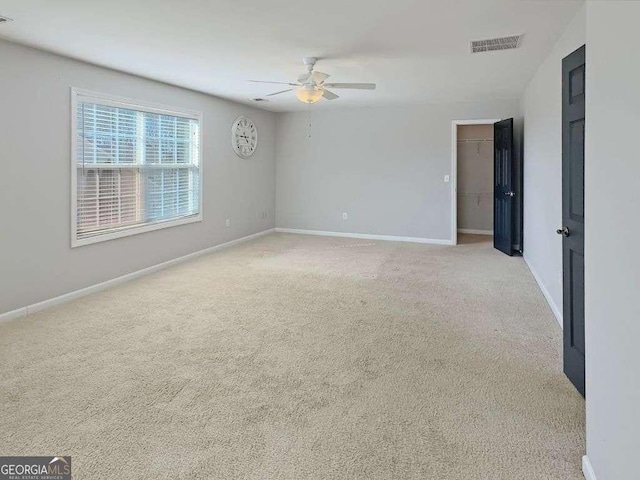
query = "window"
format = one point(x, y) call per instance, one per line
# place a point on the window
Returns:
point(135, 168)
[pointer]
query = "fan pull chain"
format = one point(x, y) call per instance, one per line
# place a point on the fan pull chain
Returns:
point(309, 118)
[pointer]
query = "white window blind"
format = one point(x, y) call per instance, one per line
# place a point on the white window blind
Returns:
point(136, 168)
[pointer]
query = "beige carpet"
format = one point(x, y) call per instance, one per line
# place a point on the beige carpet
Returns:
point(299, 357)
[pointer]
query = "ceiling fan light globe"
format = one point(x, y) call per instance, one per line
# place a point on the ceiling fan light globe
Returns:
point(309, 94)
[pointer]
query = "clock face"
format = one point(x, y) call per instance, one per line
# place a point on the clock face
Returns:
point(244, 137)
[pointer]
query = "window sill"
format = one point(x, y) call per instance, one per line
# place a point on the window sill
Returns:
point(135, 230)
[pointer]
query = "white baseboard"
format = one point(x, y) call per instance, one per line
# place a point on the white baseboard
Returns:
point(36, 307)
point(587, 469)
point(13, 314)
point(554, 308)
point(366, 236)
point(475, 232)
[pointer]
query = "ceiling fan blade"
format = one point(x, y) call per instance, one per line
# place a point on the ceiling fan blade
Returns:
point(329, 95)
point(355, 86)
point(279, 83)
point(278, 93)
point(319, 77)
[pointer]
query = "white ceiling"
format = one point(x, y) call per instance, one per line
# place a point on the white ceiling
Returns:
point(415, 50)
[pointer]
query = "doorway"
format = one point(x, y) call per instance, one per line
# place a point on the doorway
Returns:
point(472, 169)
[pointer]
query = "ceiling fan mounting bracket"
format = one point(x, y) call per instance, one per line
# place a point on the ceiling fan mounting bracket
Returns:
point(310, 62)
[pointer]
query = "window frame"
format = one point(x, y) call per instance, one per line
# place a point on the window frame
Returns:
point(123, 102)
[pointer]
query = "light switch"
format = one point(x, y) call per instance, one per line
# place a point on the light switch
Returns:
point(446, 179)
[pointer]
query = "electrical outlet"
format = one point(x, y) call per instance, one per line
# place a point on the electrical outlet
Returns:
point(447, 178)
point(345, 216)
point(263, 215)
point(227, 222)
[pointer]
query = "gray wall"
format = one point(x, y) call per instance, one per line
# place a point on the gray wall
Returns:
point(36, 261)
point(612, 265)
point(384, 166)
point(542, 108)
point(475, 178)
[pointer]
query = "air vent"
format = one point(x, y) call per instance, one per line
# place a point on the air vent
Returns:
point(492, 44)
point(259, 100)
point(4, 19)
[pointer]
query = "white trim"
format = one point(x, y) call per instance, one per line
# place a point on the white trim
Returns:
point(127, 231)
point(366, 236)
point(36, 307)
point(454, 170)
point(13, 314)
point(587, 469)
point(74, 167)
point(554, 308)
point(107, 99)
point(475, 232)
point(480, 121)
point(132, 103)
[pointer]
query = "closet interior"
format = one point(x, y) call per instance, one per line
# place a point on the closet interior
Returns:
point(475, 179)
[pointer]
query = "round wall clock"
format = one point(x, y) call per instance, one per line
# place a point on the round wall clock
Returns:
point(244, 137)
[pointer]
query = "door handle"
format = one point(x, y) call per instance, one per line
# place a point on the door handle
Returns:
point(563, 231)
point(510, 194)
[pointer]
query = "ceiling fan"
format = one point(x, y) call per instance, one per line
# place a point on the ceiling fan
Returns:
point(312, 86)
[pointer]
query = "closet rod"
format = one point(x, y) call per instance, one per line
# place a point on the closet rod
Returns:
point(473, 140)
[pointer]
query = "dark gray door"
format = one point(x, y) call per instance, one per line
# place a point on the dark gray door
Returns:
point(573, 117)
point(503, 190)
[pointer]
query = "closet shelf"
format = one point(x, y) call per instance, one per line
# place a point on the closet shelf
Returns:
point(476, 140)
point(476, 194)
